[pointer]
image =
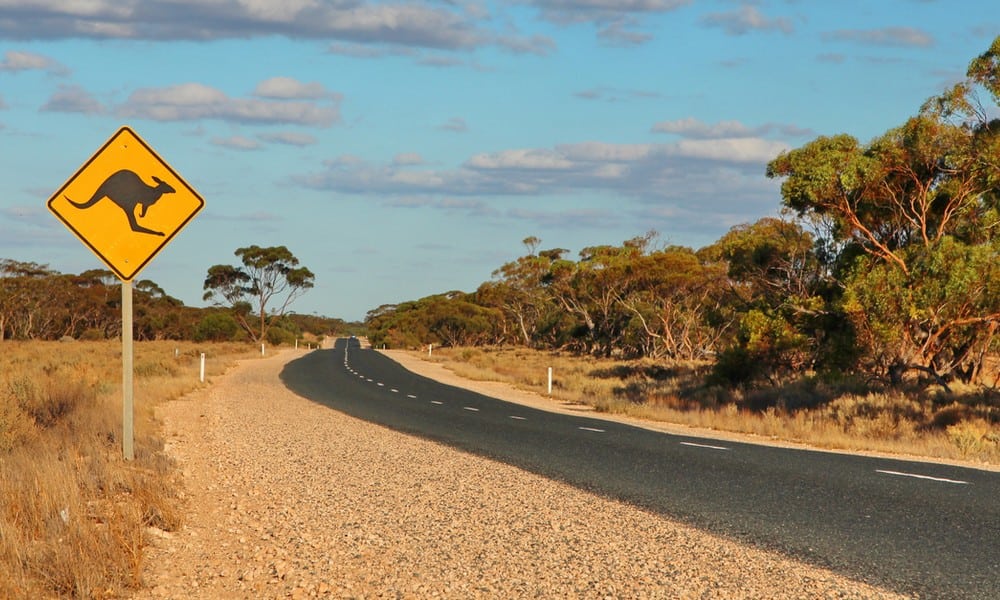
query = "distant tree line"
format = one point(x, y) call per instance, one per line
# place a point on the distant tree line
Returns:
point(38, 303)
point(887, 264)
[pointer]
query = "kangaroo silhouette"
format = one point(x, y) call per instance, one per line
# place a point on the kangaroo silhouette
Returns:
point(128, 190)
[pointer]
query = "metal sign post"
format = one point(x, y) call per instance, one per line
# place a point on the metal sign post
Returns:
point(128, 389)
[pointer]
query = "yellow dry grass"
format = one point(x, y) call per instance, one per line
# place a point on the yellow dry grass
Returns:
point(73, 513)
point(965, 426)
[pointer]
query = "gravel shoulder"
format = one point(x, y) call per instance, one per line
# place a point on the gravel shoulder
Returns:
point(285, 498)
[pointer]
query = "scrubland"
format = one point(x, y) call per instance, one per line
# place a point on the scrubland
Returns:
point(73, 514)
point(826, 412)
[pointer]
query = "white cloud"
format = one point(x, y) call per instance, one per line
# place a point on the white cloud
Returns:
point(889, 36)
point(73, 99)
point(642, 171)
point(193, 101)
point(407, 159)
point(452, 26)
point(611, 94)
point(407, 25)
point(616, 19)
point(456, 124)
point(602, 152)
point(617, 33)
point(576, 11)
point(539, 45)
point(692, 128)
point(14, 61)
point(442, 61)
point(694, 185)
point(237, 142)
point(287, 88)
point(746, 19)
point(359, 50)
point(520, 159)
point(738, 150)
point(289, 138)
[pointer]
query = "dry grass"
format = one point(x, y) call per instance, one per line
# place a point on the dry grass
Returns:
point(840, 415)
point(73, 513)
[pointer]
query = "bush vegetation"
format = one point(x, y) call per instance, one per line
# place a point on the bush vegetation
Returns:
point(73, 514)
point(38, 303)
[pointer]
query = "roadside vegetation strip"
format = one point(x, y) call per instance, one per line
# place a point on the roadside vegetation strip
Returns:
point(822, 414)
point(73, 514)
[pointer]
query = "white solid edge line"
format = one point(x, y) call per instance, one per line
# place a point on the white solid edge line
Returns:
point(916, 476)
point(709, 446)
point(592, 429)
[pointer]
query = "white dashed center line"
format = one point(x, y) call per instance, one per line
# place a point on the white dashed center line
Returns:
point(928, 477)
point(436, 402)
point(411, 396)
point(709, 446)
point(517, 418)
point(394, 390)
point(471, 408)
point(594, 429)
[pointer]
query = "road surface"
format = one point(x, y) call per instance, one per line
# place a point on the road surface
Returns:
point(919, 528)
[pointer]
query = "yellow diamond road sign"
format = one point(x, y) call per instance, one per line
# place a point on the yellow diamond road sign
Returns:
point(125, 203)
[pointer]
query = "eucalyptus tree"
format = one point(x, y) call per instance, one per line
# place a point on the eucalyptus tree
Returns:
point(518, 289)
point(915, 210)
point(262, 289)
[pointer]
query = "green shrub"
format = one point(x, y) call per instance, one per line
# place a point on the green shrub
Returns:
point(278, 335)
point(734, 367)
point(92, 334)
point(216, 327)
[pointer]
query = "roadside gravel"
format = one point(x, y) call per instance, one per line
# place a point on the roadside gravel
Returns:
point(285, 498)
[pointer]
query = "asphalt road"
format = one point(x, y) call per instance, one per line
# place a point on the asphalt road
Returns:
point(925, 529)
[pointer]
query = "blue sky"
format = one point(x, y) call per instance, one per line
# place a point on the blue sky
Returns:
point(405, 148)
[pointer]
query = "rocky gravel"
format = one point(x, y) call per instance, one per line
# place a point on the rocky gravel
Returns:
point(285, 498)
